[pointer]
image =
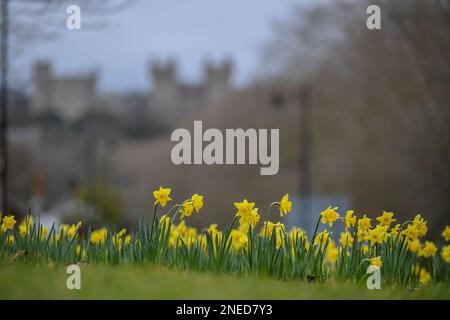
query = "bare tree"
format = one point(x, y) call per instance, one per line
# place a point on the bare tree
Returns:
point(381, 100)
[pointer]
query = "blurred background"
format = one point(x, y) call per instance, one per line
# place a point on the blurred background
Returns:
point(363, 114)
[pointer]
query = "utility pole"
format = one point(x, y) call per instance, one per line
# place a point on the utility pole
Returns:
point(4, 106)
point(305, 139)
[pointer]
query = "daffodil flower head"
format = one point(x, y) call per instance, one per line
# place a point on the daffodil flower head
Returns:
point(239, 239)
point(424, 275)
point(251, 219)
point(349, 219)
point(247, 212)
point(421, 225)
point(411, 232)
point(164, 222)
point(99, 236)
point(187, 208)
point(376, 262)
point(346, 239)
point(329, 215)
point(162, 196)
point(395, 230)
point(377, 234)
point(446, 233)
point(364, 223)
point(8, 223)
point(332, 253)
point(10, 240)
point(428, 250)
point(285, 205)
point(362, 235)
point(322, 238)
point(197, 202)
point(386, 219)
point(445, 253)
point(413, 245)
point(297, 234)
point(244, 208)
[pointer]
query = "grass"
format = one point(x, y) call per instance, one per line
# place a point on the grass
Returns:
point(22, 281)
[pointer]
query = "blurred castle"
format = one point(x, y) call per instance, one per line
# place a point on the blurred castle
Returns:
point(70, 97)
point(169, 100)
point(66, 134)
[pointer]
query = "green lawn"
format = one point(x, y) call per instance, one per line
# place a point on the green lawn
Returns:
point(19, 281)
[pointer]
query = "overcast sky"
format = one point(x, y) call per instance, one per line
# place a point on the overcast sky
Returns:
point(188, 30)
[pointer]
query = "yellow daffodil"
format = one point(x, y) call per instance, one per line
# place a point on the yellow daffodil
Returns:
point(99, 236)
point(186, 209)
point(8, 223)
point(446, 233)
point(364, 223)
point(162, 196)
point(377, 234)
point(424, 275)
point(239, 239)
point(297, 234)
point(330, 215)
point(128, 239)
point(164, 222)
point(285, 205)
point(247, 212)
point(346, 239)
point(216, 236)
point(332, 253)
point(365, 249)
point(411, 232)
point(376, 262)
point(72, 231)
point(395, 230)
point(445, 253)
point(213, 229)
point(25, 225)
point(421, 225)
point(10, 240)
point(174, 236)
point(252, 219)
point(428, 250)
point(322, 238)
point(197, 202)
point(362, 235)
point(386, 219)
point(413, 245)
point(349, 219)
point(268, 228)
point(244, 208)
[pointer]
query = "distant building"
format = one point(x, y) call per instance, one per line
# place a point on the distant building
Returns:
point(71, 97)
point(171, 99)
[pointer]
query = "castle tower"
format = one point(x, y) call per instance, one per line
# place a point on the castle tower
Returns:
point(70, 96)
point(165, 95)
point(217, 80)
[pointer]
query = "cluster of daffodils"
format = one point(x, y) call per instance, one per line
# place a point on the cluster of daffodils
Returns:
point(255, 242)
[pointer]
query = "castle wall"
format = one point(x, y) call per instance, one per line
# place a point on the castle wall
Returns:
point(170, 99)
point(70, 97)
